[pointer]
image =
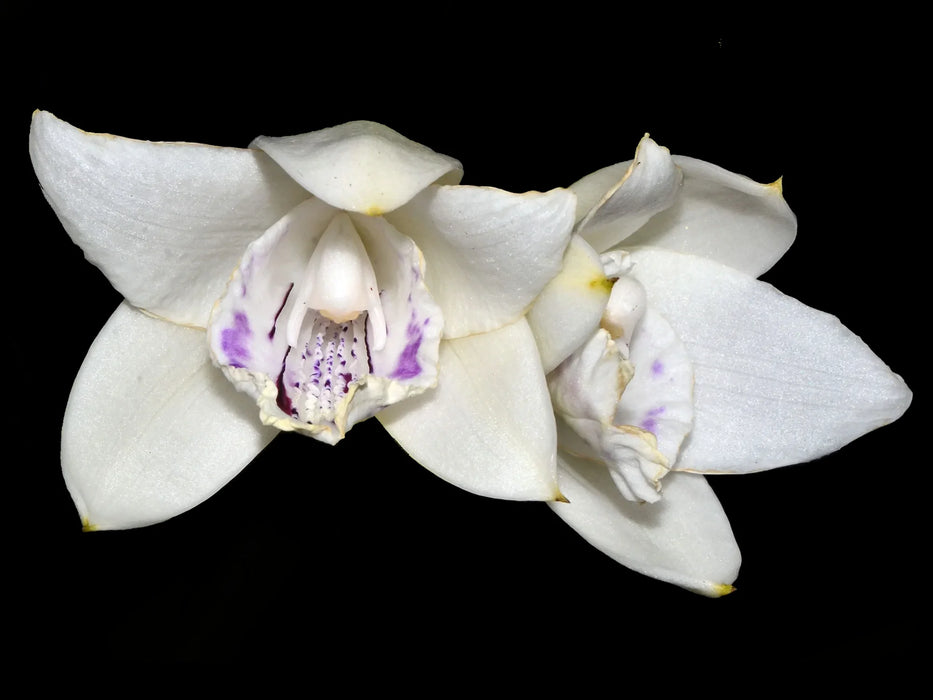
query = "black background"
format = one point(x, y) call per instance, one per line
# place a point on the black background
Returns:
point(354, 554)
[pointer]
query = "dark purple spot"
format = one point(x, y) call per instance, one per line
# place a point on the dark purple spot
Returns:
point(282, 399)
point(275, 321)
point(235, 341)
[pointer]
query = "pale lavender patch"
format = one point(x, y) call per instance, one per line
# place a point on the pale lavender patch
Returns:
point(657, 368)
point(235, 341)
point(650, 422)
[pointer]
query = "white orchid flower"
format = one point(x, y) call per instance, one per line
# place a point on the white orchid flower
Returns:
point(669, 360)
point(329, 276)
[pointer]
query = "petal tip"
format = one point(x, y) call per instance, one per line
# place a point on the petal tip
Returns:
point(88, 526)
point(718, 590)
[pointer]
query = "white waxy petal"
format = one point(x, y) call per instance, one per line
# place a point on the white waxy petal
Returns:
point(651, 184)
point(588, 384)
point(625, 309)
point(684, 539)
point(569, 308)
point(777, 382)
point(585, 392)
point(488, 252)
point(659, 396)
point(152, 428)
point(725, 217)
point(360, 166)
point(488, 427)
point(165, 222)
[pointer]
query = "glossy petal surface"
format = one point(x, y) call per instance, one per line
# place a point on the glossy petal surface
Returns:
point(488, 252)
point(684, 539)
point(488, 426)
point(152, 428)
point(360, 166)
point(777, 382)
point(725, 217)
point(165, 222)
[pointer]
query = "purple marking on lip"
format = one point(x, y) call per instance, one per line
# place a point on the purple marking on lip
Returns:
point(657, 368)
point(408, 366)
point(235, 341)
point(275, 321)
point(650, 423)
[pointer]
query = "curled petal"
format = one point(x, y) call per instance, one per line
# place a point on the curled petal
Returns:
point(659, 396)
point(725, 217)
point(570, 306)
point(152, 428)
point(488, 427)
point(360, 166)
point(777, 382)
point(165, 222)
point(650, 184)
point(488, 253)
point(588, 384)
point(684, 538)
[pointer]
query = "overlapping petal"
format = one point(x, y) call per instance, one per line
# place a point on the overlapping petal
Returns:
point(650, 184)
point(489, 252)
point(570, 305)
point(723, 216)
point(165, 222)
point(488, 426)
point(777, 382)
point(152, 428)
point(684, 539)
point(360, 166)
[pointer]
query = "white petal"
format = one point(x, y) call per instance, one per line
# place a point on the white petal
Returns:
point(684, 538)
point(488, 253)
point(165, 222)
point(488, 426)
point(152, 428)
point(724, 217)
point(360, 166)
point(776, 382)
point(650, 185)
point(659, 397)
point(569, 308)
point(588, 384)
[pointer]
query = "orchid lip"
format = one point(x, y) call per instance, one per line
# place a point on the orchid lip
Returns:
point(326, 321)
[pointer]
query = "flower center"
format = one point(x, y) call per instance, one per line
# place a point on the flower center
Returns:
point(339, 283)
point(321, 370)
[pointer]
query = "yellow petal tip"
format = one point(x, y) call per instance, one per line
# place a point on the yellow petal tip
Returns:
point(87, 526)
point(721, 589)
point(777, 185)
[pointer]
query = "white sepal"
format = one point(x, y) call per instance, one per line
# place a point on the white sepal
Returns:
point(488, 427)
point(777, 382)
point(152, 428)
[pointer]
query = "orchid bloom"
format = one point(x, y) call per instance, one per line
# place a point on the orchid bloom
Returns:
point(669, 360)
point(329, 276)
